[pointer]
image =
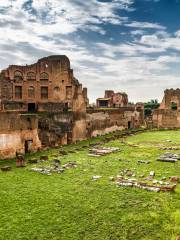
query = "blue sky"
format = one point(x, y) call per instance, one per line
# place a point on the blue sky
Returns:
point(123, 45)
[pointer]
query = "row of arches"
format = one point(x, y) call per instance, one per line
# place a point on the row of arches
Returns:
point(18, 75)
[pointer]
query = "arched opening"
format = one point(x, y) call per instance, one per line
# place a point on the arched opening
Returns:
point(174, 106)
point(18, 76)
point(31, 92)
point(31, 76)
point(56, 89)
point(44, 76)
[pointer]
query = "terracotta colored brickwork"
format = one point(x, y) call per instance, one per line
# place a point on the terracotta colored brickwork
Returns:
point(168, 114)
point(112, 99)
point(39, 86)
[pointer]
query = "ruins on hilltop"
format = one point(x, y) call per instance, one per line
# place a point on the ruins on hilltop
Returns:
point(44, 105)
point(113, 100)
point(168, 114)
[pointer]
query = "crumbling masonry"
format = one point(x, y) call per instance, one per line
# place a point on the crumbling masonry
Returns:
point(43, 104)
point(168, 114)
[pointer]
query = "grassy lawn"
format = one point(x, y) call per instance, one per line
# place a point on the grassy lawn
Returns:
point(70, 206)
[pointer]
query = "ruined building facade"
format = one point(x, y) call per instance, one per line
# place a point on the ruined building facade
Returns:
point(43, 104)
point(48, 85)
point(113, 100)
point(168, 114)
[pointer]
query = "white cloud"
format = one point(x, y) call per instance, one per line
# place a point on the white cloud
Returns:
point(145, 25)
point(45, 27)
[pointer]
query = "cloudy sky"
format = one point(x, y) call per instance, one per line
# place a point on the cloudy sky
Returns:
point(123, 45)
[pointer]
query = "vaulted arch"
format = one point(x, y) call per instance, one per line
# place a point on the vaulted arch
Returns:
point(44, 76)
point(18, 75)
point(31, 76)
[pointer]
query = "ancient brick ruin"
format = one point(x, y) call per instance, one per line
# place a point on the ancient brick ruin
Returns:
point(113, 100)
point(168, 114)
point(43, 104)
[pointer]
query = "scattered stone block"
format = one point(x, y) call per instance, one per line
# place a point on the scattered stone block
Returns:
point(142, 161)
point(62, 152)
point(32, 161)
point(169, 157)
point(6, 168)
point(136, 184)
point(44, 158)
point(175, 179)
point(20, 161)
point(70, 165)
point(111, 178)
point(152, 173)
point(96, 177)
point(102, 151)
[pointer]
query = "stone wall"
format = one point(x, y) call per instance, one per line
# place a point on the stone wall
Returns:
point(47, 82)
point(166, 118)
point(18, 134)
point(168, 114)
point(100, 122)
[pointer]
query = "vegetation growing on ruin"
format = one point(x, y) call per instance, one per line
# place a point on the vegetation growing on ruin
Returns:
point(150, 106)
point(72, 206)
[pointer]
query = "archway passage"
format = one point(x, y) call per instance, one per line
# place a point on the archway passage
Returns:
point(129, 124)
point(27, 146)
point(31, 107)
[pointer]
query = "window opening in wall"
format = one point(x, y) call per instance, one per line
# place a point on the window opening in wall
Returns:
point(68, 92)
point(44, 76)
point(56, 89)
point(174, 106)
point(18, 75)
point(31, 76)
point(18, 92)
point(44, 92)
point(31, 92)
point(28, 146)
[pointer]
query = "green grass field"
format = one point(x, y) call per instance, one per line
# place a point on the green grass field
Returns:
point(70, 206)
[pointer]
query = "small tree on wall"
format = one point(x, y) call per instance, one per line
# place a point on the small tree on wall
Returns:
point(150, 106)
point(174, 106)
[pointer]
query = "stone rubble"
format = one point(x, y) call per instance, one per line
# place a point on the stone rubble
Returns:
point(44, 158)
point(47, 170)
point(5, 168)
point(96, 177)
point(169, 157)
point(143, 161)
point(175, 179)
point(97, 152)
point(70, 165)
point(56, 168)
point(120, 181)
point(170, 148)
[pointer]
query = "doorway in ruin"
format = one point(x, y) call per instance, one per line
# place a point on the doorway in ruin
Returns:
point(129, 124)
point(27, 146)
point(31, 107)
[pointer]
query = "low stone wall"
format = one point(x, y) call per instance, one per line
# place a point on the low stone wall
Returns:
point(166, 118)
point(105, 121)
point(15, 142)
point(18, 134)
